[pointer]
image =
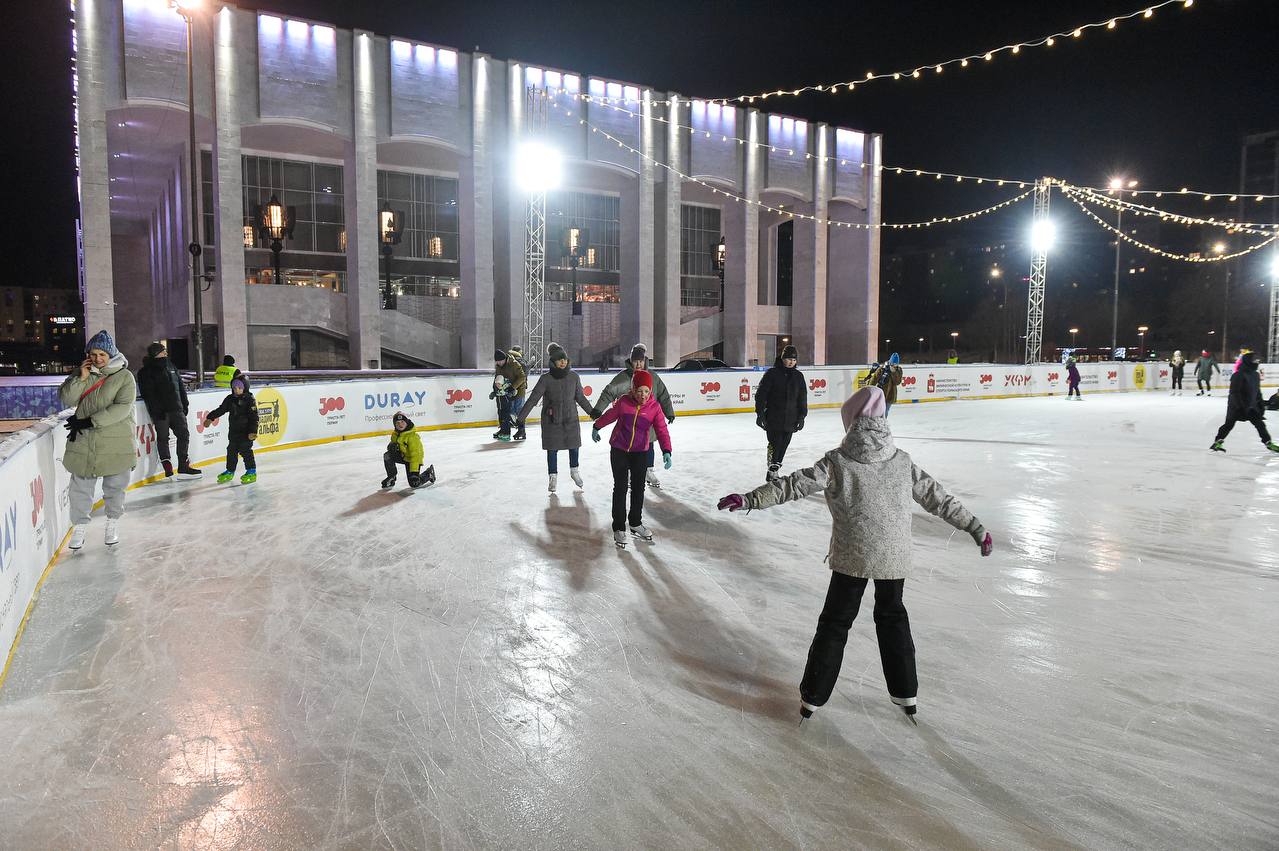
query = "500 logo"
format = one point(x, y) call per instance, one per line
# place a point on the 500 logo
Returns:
point(453, 397)
point(909, 381)
point(985, 378)
point(710, 387)
point(330, 405)
point(36, 486)
point(817, 384)
point(199, 421)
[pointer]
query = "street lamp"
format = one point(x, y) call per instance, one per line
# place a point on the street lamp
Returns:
point(188, 9)
point(275, 224)
point(921, 347)
point(1073, 333)
point(576, 248)
point(1141, 332)
point(997, 274)
point(720, 261)
point(1117, 184)
point(390, 230)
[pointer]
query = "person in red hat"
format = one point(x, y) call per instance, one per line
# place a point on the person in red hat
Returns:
point(1203, 372)
point(634, 414)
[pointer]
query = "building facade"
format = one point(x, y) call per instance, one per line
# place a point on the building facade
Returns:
point(340, 124)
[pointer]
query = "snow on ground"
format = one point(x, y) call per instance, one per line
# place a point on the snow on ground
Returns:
point(309, 662)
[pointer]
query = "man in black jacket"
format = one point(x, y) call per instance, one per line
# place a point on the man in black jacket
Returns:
point(1244, 403)
point(781, 404)
point(162, 392)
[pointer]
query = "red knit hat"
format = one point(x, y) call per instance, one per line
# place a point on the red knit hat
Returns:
point(642, 378)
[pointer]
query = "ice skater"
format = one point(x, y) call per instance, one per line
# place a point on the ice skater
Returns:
point(887, 377)
point(406, 448)
point(1072, 379)
point(1203, 372)
point(621, 385)
point(1245, 404)
point(560, 392)
point(509, 382)
point(1178, 366)
point(242, 430)
point(636, 414)
point(869, 485)
point(165, 397)
point(781, 405)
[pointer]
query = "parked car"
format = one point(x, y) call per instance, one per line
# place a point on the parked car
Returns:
point(699, 365)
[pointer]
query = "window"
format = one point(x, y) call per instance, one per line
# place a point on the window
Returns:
point(699, 233)
point(600, 215)
point(429, 207)
point(315, 192)
point(785, 262)
point(325, 279)
point(594, 293)
point(427, 285)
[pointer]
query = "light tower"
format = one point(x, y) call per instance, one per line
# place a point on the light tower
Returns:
point(1041, 238)
point(537, 169)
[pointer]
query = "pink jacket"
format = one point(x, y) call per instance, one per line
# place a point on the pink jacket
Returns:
point(633, 424)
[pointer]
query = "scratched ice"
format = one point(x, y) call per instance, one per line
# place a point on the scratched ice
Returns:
point(311, 663)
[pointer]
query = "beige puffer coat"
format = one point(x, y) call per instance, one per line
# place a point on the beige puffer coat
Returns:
point(869, 485)
point(107, 449)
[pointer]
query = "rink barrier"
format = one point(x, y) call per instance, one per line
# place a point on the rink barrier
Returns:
point(35, 508)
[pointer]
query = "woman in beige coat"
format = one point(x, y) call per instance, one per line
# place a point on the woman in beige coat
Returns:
point(100, 435)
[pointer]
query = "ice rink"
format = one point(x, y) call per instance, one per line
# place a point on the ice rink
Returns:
point(309, 662)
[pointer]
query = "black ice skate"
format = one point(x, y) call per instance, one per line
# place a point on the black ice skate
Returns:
point(388, 482)
point(519, 433)
point(428, 478)
point(806, 710)
point(908, 706)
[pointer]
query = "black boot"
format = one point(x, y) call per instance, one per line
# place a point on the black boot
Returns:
point(185, 468)
point(388, 482)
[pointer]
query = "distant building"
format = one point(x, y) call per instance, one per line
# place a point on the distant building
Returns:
point(40, 328)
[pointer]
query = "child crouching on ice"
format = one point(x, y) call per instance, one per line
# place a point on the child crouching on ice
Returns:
point(869, 485)
point(405, 448)
point(242, 430)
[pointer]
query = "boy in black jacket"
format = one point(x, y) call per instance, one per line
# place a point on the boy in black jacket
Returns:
point(242, 430)
point(1245, 403)
point(781, 405)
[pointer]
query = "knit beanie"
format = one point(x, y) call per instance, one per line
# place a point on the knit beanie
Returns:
point(555, 352)
point(518, 351)
point(642, 378)
point(228, 361)
point(790, 352)
point(102, 342)
point(499, 355)
point(866, 402)
point(1205, 354)
point(154, 349)
point(639, 350)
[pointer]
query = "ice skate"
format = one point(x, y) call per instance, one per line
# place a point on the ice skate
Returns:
point(551, 480)
point(806, 710)
point(225, 477)
point(249, 477)
point(577, 477)
point(185, 469)
point(168, 469)
point(1200, 393)
point(651, 478)
point(519, 433)
point(772, 475)
point(1272, 446)
point(503, 437)
point(78, 534)
point(619, 538)
point(1217, 447)
point(641, 532)
point(113, 532)
point(388, 482)
point(428, 477)
point(908, 706)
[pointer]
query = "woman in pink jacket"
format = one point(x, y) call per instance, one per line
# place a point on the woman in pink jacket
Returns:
point(635, 413)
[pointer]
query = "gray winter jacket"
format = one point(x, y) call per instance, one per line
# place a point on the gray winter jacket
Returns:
point(869, 484)
point(561, 396)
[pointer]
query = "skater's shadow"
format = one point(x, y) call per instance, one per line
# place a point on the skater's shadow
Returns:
point(373, 502)
point(723, 542)
point(572, 541)
point(499, 445)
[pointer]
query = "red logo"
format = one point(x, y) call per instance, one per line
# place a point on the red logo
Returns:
point(908, 381)
point(985, 379)
point(454, 396)
point(932, 383)
point(1054, 376)
point(199, 421)
point(744, 392)
point(1112, 375)
point(817, 384)
point(1163, 373)
point(146, 438)
point(331, 404)
point(37, 500)
point(1017, 380)
point(710, 387)
point(588, 390)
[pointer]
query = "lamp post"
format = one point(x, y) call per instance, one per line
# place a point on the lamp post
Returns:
point(188, 9)
point(921, 347)
point(1219, 248)
point(997, 274)
point(390, 231)
point(720, 259)
point(1073, 333)
point(577, 242)
point(1141, 332)
point(275, 223)
point(954, 347)
point(1117, 184)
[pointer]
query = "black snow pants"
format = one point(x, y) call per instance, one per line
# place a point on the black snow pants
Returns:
point(778, 441)
point(393, 457)
point(174, 421)
point(237, 448)
point(892, 627)
point(1257, 419)
point(1177, 373)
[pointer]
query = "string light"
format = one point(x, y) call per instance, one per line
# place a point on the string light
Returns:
point(1185, 258)
point(1186, 190)
point(1094, 196)
point(962, 61)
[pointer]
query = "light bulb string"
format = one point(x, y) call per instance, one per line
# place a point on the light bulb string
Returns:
point(1185, 258)
point(804, 216)
point(1187, 191)
point(1094, 196)
point(962, 61)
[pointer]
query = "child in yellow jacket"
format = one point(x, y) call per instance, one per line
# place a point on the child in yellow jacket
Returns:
point(405, 448)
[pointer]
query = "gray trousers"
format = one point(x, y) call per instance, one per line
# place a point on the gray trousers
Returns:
point(82, 489)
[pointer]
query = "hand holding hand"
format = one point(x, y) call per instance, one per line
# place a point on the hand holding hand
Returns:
point(733, 502)
point(666, 460)
point(595, 435)
point(208, 423)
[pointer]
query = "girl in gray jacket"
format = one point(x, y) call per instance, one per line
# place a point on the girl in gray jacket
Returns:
point(560, 392)
point(869, 485)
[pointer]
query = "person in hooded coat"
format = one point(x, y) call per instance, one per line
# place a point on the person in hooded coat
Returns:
point(781, 405)
point(1245, 404)
point(406, 448)
point(869, 485)
point(1203, 372)
point(620, 386)
point(887, 377)
point(560, 392)
point(1072, 380)
point(1177, 364)
point(166, 399)
point(242, 429)
point(100, 438)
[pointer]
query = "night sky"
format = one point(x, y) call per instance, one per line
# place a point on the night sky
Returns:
point(1165, 100)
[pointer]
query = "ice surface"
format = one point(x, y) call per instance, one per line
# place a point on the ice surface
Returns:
point(309, 662)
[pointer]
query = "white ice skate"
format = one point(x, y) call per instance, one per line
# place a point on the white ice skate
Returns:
point(551, 479)
point(641, 532)
point(78, 534)
point(651, 478)
point(113, 532)
point(619, 538)
point(577, 477)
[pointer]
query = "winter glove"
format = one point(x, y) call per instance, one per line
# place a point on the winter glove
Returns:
point(983, 539)
point(670, 419)
point(253, 437)
point(733, 502)
point(799, 425)
point(595, 435)
point(75, 425)
point(761, 421)
point(666, 460)
point(415, 479)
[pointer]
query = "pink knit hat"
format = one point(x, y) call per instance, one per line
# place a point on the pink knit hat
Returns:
point(866, 402)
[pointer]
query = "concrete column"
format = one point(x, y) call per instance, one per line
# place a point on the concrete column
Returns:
point(95, 36)
point(508, 318)
point(476, 217)
point(852, 299)
point(666, 348)
point(229, 304)
point(637, 237)
point(363, 303)
point(808, 311)
point(741, 227)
